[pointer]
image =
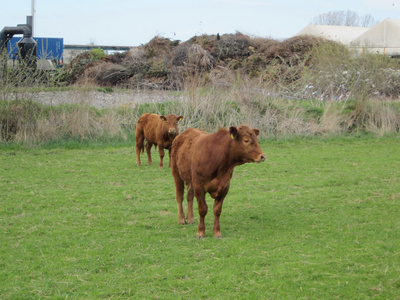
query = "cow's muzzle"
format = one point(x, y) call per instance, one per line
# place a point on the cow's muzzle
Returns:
point(172, 131)
point(261, 158)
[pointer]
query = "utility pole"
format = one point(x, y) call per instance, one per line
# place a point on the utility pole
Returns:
point(33, 14)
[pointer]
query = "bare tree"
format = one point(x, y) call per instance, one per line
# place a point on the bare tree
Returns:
point(351, 18)
point(330, 18)
point(344, 18)
point(368, 21)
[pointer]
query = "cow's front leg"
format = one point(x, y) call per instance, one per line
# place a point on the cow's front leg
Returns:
point(161, 152)
point(219, 200)
point(203, 208)
point(217, 214)
point(169, 154)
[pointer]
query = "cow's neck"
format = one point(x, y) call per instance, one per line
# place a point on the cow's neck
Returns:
point(232, 159)
point(168, 136)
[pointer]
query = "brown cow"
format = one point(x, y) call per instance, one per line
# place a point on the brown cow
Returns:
point(157, 130)
point(205, 163)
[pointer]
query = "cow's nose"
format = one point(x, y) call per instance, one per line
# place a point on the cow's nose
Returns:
point(172, 131)
point(263, 157)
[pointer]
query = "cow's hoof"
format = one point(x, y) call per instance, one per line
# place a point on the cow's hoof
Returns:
point(200, 236)
point(218, 237)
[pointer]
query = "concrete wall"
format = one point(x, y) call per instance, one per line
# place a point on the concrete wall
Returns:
point(72, 51)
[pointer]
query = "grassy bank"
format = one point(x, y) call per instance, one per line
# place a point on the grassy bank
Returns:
point(26, 121)
point(319, 219)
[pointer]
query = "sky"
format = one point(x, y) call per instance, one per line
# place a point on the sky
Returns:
point(132, 23)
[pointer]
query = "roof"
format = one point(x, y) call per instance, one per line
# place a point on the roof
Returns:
point(386, 34)
point(342, 34)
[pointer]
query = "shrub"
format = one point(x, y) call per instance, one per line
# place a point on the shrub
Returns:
point(336, 72)
point(97, 54)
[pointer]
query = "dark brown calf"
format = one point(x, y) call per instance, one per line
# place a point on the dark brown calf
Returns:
point(205, 163)
point(157, 130)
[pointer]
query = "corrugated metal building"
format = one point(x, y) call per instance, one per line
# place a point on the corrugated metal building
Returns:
point(47, 48)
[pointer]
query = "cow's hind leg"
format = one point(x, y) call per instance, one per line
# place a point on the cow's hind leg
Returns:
point(148, 151)
point(139, 148)
point(189, 197)
point(179, 190)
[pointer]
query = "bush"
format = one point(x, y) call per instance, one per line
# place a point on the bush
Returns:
point(335, 72)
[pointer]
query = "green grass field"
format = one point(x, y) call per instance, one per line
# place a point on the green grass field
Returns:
point(320, 219)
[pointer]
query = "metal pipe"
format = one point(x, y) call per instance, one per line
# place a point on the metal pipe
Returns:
point(28, 51)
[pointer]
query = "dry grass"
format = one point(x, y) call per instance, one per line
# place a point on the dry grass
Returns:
point(205, 108)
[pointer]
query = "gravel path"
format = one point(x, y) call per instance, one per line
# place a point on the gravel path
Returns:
point(105, 100)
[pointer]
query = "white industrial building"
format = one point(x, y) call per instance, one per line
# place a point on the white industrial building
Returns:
point(383, 38)
point(342, 34)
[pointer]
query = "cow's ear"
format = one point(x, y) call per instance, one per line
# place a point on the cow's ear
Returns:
point(256, 131)
point(234, 132)
point(163, 118)
point(180, 118)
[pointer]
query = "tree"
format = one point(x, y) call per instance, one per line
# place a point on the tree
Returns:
point(344, 18)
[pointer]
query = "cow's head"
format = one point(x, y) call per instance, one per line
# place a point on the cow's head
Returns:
point(246, 146)
point(171, 123)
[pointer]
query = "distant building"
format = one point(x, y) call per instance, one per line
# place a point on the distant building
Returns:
point(47, 48)
point(342, 34)
point(383, 38)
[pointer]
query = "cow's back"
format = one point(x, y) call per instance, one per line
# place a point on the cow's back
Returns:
point(149, 123)
point(182, 153)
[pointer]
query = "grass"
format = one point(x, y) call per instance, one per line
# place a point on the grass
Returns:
point(319, 219)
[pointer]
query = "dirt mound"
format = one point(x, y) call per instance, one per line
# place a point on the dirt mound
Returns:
point(166, 64)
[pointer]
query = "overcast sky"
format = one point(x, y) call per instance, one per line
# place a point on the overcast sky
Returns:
point(131, 22)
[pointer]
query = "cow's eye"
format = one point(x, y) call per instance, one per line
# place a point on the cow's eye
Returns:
point(246, 141)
